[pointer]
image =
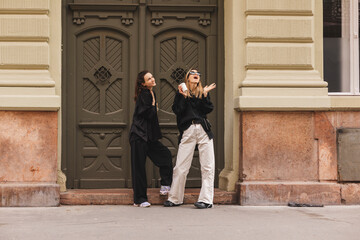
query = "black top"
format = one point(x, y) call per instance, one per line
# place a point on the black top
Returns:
point(192, 108)
point(145, 121)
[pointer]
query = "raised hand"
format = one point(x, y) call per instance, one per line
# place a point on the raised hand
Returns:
point(207, 88)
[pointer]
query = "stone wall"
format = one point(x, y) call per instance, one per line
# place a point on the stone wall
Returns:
point(292, 156)
point(28, 159)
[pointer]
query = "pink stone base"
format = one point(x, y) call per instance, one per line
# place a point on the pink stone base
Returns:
point(350, 194)
point(281, 193)
point(29, 195)
point(292, 157)
point(28, 151)
point(28, 159)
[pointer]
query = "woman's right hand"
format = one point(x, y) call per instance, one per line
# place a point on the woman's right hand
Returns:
point(181, 91)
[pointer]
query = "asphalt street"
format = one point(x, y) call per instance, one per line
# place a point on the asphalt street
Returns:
point(184, 222)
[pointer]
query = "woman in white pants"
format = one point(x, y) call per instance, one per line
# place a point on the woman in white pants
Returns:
point(191, 105)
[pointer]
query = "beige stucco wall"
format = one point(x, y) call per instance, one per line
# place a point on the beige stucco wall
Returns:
point(283, 43)
point(30, 53)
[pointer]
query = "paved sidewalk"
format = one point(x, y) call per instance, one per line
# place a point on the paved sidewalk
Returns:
point(184, 222)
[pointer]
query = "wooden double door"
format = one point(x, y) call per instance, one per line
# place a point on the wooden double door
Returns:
point(105, 44)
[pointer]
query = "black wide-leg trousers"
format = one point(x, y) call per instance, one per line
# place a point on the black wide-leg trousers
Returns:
point(159, 155)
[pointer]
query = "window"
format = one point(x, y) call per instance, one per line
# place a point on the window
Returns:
point(341, 46)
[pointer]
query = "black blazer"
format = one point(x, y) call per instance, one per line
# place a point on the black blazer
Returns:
point(145, 123)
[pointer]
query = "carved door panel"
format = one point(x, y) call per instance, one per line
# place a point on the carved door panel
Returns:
point(102, 93)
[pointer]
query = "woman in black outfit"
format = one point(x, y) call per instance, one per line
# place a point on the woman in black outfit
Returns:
point(191, 108)
point(144, 140)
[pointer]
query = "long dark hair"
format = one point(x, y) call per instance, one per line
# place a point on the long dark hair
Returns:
point(139, 81)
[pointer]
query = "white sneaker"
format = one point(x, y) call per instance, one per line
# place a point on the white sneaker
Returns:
point(164, 190)
point(143, 204)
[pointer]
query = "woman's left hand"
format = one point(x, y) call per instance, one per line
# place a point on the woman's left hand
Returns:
point(153, 97)
point(209, 88)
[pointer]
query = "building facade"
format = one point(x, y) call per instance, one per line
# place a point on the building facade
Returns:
point(287, 104)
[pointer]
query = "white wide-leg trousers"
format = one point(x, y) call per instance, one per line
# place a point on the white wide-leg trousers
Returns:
point(195, 134)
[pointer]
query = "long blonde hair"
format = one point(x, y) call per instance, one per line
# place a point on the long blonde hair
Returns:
point(199, 88)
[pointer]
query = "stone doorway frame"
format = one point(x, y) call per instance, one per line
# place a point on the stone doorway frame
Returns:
point(229, 175)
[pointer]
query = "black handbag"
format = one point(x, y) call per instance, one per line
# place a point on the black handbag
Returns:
point(207, 124)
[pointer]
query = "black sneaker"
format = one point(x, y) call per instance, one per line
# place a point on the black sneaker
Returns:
point(170, 204)
point(202, 205)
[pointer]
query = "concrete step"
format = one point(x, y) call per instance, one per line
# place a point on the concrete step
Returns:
point(125, 196)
